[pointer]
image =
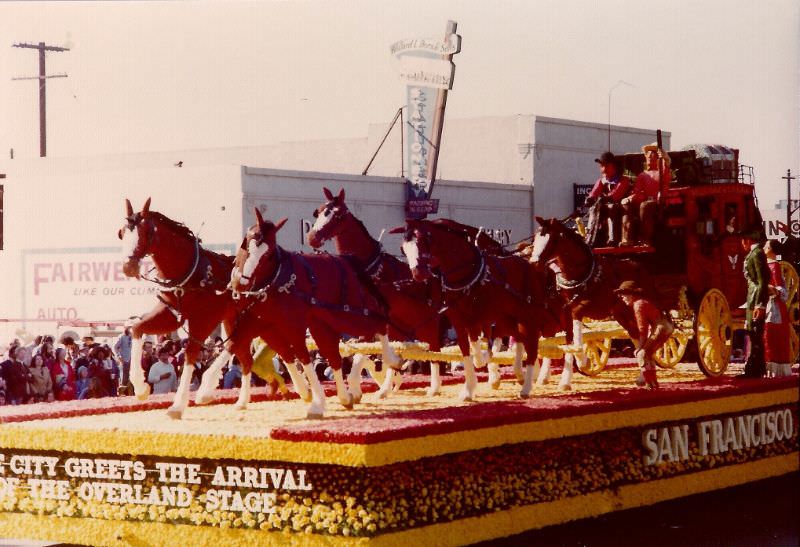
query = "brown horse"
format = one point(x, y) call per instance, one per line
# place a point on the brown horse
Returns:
point(586, 282)
point(191, 280)
point(413, 306)
point(288, 293)
point(484, 293)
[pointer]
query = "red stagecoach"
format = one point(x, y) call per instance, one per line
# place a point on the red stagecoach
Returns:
point(696, 258)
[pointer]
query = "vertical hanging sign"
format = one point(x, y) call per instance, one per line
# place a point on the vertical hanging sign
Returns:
point(427, 69)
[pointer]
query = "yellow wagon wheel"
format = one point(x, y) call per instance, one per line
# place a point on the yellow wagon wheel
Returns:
point(671, 353)
point(792, 282)
point(597, 353)
point(713, 332)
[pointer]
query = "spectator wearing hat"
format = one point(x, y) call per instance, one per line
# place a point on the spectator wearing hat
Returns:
point(162, 374)
point(655, 327)
point(641, 207)
point(606, 196)
point(757, 274)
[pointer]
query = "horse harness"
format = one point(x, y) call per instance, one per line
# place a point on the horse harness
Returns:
point(284, 280)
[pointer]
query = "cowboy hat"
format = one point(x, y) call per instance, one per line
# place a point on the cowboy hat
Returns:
point(629, 287)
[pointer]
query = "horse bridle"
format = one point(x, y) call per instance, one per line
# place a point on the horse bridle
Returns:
point(479, 272)
point(166, 285)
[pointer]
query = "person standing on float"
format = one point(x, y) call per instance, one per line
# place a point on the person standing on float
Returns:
point(757, 273)
point(777, 352)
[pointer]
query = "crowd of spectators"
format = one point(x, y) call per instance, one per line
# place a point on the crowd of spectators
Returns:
point(45, 370)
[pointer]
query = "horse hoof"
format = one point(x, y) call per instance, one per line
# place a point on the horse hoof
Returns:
point(203, 399)
point(465, 397)
point(314, 415)
point(357, 399)
point(432, 392)
point(564, 387)
point(145, 394)
point(496, 384)
point(383, 394)
point(240, 406)
point(524, 395)
point(175, 413)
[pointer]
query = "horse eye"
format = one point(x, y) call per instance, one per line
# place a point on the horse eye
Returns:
point(327, 212)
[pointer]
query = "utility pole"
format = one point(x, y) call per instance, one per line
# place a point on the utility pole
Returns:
point(42, 48)
point(789, 210)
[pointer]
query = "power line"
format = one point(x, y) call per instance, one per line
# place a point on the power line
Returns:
point(42, 77)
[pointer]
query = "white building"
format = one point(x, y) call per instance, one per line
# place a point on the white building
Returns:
point(61, 257)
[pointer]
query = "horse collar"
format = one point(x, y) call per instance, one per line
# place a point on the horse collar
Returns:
point(167, 285)
point(373, 269)
point(479, 275)
point(572, 285)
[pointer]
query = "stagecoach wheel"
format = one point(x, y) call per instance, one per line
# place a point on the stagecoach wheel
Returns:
point(713, 332)
point(792, 282)
point(671, 353)
point(597, 353)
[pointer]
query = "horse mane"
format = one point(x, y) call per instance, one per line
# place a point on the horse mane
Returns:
point(485, 242)
point(178, 227)
point(182, 230)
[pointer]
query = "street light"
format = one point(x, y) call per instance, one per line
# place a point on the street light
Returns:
point(613, 87)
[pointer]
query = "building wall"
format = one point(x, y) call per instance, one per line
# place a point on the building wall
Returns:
point(378, 202)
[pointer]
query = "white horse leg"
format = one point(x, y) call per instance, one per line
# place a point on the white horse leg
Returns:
point(386, 386)
point(477, 353)
point(354, 378)
point(544, 373)
point(210, 380)
point(317, 407)
point(299, 383)
point(345, 397)
point(494, 375)
point(397, 381)
point(140, 387)
point(436, 381)
point(470, 380)
point(182, 396)
point(518, 349)
point(390, 357)
point(244, 393)
point(565, 383)
point(527, 385)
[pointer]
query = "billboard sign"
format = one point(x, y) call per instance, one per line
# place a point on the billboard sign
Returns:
point(85, 284)
point(427, 69)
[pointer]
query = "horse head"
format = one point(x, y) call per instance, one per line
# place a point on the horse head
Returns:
point(255, 253)
point(328, 219)
point(416, 248)
point(136, 235)
point(545, 241)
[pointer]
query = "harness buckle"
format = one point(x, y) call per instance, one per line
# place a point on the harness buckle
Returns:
point(262, 297)
point(179, 291)
point(313, 301)
point(346, 307)
point(236, 295)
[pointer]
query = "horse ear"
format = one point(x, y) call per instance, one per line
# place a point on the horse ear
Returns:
point(259, 218)
point(280, 224)
point(128, 208)
point(341, 194)
point(146, 208)
point(328, 194)
point(540, 221)
point(398, 230)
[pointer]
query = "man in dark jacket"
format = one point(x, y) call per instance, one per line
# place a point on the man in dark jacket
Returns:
point(16, 375)
point(756, 271)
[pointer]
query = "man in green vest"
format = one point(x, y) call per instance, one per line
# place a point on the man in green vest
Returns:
point(757, 274)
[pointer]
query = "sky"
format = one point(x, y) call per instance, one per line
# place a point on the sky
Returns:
point(147, 76)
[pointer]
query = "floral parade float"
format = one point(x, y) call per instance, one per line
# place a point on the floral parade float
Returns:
point(115, 472)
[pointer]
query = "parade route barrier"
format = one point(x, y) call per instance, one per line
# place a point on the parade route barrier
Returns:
point(408, 471)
